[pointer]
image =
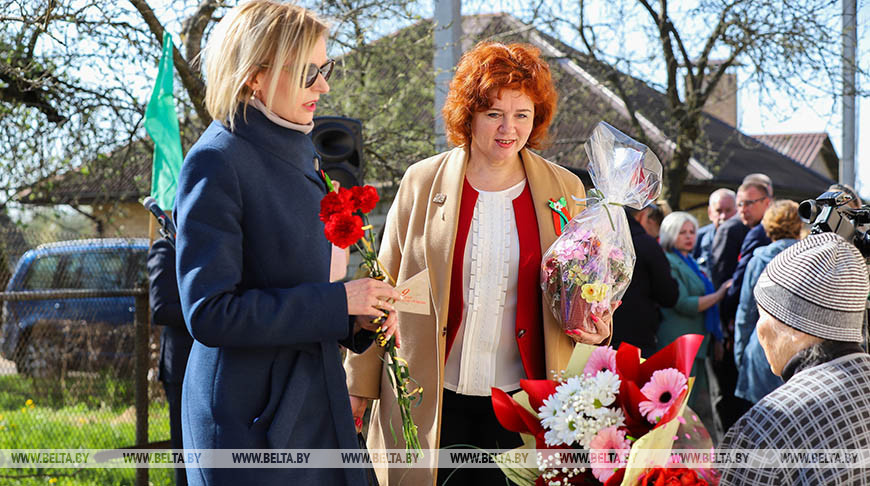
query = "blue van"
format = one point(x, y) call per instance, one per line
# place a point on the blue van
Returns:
point(41, 335)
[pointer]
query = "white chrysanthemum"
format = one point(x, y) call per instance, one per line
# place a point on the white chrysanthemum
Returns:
point(568, 433)
point(605, 386)
point(571, 388)
point(560, 428)
point(552, 438)
point(550, 410)
point(577, 411)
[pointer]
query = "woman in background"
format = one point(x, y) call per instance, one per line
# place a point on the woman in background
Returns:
point(696, 311)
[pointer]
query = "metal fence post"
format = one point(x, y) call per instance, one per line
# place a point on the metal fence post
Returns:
point(141, 373)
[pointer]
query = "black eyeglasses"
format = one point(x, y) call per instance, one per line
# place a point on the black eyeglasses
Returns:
point(312, 71)
point(750, 202)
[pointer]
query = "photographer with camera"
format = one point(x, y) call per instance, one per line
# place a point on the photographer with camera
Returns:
point(835, 211)
point(855, 202)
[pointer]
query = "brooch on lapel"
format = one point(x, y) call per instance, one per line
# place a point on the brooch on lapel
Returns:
point(439, 198)
point(560, 214)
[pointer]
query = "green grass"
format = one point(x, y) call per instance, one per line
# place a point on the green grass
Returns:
point(81, 413)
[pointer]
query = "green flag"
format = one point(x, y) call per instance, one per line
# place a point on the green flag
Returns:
point(161, 123)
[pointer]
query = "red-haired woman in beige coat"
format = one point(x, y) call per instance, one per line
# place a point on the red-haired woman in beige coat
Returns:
point(478, 219)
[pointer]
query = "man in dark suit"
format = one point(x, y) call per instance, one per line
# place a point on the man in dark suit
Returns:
point(721, 207)
point(726, 249)
point(175, 341)
point(754, 196)
point(753, 199)
point(652, 286)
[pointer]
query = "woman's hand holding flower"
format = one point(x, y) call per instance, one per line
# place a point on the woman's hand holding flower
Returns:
point(368, 299)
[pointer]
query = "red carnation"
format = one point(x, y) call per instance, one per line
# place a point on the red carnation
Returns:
point(672, 476)
point(344, 229)
point(334, 203)
point(369, 199)
point(364, 198)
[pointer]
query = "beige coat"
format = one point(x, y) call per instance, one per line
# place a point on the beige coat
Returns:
point(420, 234)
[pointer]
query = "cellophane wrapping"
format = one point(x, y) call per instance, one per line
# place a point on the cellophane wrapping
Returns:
point(589, 267)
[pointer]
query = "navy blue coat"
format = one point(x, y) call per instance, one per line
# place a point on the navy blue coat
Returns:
point(704, 248)
point(725, 251)
point(253, 274)
point(755, 238)
point(175, 341)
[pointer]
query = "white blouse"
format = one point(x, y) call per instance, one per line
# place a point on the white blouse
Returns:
point(485, 352)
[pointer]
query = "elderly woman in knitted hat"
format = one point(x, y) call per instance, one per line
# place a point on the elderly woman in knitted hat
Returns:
point(811, 301)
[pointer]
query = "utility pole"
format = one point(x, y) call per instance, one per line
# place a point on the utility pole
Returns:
point(448, 36)
point(850, 40)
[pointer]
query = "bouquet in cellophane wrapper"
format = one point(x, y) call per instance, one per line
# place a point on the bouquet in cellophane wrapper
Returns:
point(589, 266)
point(611, 418)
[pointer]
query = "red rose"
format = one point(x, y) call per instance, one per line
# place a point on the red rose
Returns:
point(365, 198)
point(334, 203)
point(344, 229)
point(672, 476)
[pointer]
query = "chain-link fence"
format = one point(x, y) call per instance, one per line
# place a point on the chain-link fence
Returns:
point(69, 376)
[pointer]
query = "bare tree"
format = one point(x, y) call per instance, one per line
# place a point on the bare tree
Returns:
point(73, 83)
point(75, 77)
point(684, 52)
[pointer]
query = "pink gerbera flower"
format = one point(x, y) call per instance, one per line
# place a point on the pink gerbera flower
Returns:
point(609, 443)
point(603, 358)
point(662, 390)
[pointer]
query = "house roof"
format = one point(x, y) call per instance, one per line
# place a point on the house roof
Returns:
point(804, 148)
point(123, 175)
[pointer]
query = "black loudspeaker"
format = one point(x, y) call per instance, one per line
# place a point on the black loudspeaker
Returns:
point(339, 142)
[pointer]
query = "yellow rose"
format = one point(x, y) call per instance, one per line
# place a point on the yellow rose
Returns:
point(594, 292)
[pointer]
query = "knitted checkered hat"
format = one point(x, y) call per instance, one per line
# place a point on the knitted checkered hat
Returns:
point(819, 286)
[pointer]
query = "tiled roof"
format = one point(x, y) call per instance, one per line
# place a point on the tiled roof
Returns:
point(800, 147)
point(804, 148)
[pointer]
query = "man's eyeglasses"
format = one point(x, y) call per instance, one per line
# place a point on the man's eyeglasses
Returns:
point(312, 71)
point(746, 204)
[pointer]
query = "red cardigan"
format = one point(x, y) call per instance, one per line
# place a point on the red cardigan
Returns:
point(529, 323)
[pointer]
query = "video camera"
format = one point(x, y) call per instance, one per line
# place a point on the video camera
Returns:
point(826, 214)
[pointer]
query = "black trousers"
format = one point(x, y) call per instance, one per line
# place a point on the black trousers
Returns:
point(729, 407)
point(468, 421)
point(173, 397)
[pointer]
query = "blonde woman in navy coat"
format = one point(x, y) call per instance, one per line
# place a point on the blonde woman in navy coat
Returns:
point(253, 263)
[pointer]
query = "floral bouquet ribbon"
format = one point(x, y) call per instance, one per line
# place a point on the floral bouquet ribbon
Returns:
point(605, 401)
point(589, 266)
